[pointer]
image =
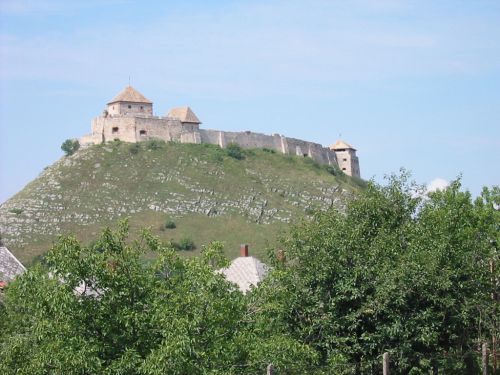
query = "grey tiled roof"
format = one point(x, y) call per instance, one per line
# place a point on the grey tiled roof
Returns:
point(245, 272)
point(10, 267)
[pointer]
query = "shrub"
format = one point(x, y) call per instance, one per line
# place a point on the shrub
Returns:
point(270, 150)
point(331, 169)
point(17, 211)
point(185, 244)
point(70, 146)
point(169, 224)
point(134, 148)
point(235, 151)
point(155, 144)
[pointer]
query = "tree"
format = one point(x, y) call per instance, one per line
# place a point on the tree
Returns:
point(70, 146)
point(100, 309)
point(395, 271)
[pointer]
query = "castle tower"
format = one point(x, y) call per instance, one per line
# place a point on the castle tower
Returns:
point(346, 158)
point(185, 115)
point(130, 102)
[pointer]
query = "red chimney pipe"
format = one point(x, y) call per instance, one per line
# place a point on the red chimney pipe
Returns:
point(243, 250)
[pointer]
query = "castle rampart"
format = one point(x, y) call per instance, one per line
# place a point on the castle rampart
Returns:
point(129, 118)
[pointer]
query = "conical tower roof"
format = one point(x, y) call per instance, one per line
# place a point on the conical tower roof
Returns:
point(340, 144)
point(131, 95)
point(184, 114)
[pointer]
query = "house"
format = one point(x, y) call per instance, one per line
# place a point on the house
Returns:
point(10, 267)
point(245, 271)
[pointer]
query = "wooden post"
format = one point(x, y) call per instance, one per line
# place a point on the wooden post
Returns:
point(270, 369)
point(485, 358)
point(385, 363)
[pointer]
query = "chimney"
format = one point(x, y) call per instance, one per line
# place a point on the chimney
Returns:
point(243, 250)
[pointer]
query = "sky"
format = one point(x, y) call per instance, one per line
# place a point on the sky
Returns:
point(410, 84)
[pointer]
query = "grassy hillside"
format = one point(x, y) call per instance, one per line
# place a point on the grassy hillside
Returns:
point(207, 193)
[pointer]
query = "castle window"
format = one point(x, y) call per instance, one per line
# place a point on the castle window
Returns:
point(114, 130)
point(129, 106)
point(142, 107)
point(142, 132)
point(344, 159)
point(343, 169)
point(305, 155)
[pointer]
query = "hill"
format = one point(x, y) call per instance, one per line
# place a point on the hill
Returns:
point(207, 192)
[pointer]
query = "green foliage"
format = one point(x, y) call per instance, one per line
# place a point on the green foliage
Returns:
point(155, 144)
point(269, 150)
point(169, 224)
point(17, 211)
point(70, 146)
point(134, 148)
point(235, 151)
point(107, 312)
point(184, 244)
point(394, 272)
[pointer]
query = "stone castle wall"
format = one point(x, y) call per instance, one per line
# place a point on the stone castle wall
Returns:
point(136, 129)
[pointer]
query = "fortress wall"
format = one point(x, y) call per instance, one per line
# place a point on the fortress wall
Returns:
point(191, 137)
point(210, 136)
point(276, 142)
point(314, 150)
point(90, 139)
point(122, 128)
point(134, 129)
point(252, 140)
point(162, 128)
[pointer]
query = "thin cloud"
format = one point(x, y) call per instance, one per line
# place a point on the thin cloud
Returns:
point(437, 184)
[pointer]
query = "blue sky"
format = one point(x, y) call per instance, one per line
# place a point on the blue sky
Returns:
point(412, 84)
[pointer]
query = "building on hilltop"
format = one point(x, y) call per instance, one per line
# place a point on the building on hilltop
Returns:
point(346, 158)
point(129, 117)
point(129, 102)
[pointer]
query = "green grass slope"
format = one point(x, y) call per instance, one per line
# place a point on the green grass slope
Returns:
point(208, 194)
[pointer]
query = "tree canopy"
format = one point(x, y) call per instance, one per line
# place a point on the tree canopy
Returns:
point(70, 146)
point(396, 270)
point(399, 271)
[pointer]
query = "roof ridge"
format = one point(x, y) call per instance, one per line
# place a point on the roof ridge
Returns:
point(13, 257)
point(130, 94)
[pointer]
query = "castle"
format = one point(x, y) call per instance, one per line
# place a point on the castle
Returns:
point(129, 117)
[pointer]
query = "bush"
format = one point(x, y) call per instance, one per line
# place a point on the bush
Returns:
point(155, 144)
point(134, 148)
point(235, 151)
point(17, 211)
point(185, 244)
point(331, 169)
point(269, 150)
point(169, 224)
point(70, 146)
